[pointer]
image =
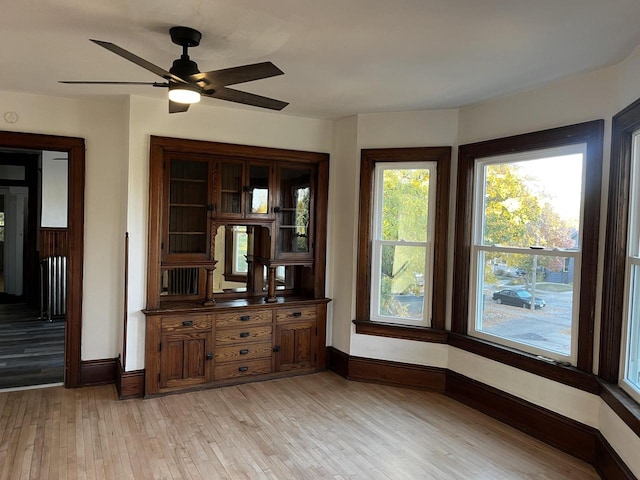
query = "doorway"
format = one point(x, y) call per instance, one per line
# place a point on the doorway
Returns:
point(54, 231)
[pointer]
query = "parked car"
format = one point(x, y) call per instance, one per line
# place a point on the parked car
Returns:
point(517, 298)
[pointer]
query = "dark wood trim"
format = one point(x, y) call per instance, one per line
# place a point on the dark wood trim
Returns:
point(568, 435)
point(406, 332)
point(369, 158)
point(129, 384)
point(528, 362)
point(76, 150)
point(338, 361)
point(624, 124)
point(386, 372)
point(98, 372)
point(622, 404)
point(608, 463)
point(396, 373)
point(590, 133)
point(53, 241)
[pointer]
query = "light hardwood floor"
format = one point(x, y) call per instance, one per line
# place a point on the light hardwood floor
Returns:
point(308, 427)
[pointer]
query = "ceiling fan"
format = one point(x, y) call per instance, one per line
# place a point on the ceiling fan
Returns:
point(187, 84)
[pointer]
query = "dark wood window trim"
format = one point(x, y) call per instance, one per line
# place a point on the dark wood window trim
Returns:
point(622, 404)
point(369, 158)
point(590, 133)
point(624, 124)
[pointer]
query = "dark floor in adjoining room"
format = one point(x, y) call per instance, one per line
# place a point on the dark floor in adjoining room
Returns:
point(31, 349)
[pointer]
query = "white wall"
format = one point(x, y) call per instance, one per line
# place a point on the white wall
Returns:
point(388, 130)
point(101, 124)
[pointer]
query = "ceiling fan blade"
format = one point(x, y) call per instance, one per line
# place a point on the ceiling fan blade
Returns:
point(91, 82)
point(233, 75)
point(175, 107)
point(246, 98)
point(141, 62)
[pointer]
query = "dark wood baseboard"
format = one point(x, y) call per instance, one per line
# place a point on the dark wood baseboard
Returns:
point(608, 463)
point(579, 440)
point(552, 428)
point(129, 384)
point(338, 361)
point(385, 372)
point(98, 372)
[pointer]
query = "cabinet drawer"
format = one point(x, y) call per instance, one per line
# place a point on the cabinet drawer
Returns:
point(242, 353)
point(296, 313)
point(240, 318)
point(242, 369)
point(243, 334)
point(186, 323)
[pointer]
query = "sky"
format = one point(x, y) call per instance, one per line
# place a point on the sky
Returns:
point(561, 179)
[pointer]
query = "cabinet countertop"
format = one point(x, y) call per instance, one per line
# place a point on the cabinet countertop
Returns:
point(230, 304)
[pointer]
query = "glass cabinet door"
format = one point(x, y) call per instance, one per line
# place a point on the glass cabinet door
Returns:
point(257, 189)
point(187, 212)
point(294, 212)
point(231, 182)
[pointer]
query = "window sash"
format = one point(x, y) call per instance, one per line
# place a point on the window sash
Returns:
point(631, 325)
point(476, 312)
point(378, 242)
point(478, 247)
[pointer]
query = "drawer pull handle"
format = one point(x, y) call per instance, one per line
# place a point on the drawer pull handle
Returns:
point(244, 351)
point(245, 318)
point(187, 323)
point(244, 334)
point(209, 356)
point(243, 369)
point(296, 314)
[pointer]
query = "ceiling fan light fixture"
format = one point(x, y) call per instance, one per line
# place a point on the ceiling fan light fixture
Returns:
point(184, 94)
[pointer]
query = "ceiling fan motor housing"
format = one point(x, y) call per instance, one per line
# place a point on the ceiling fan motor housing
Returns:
point(184, 67)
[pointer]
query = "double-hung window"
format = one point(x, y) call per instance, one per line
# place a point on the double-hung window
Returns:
point(402, 247)
point(526, 250)
point(631, 335)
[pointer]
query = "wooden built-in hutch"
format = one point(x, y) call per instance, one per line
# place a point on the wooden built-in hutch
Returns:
point(236, 264)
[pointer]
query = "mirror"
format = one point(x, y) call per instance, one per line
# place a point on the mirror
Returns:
point(234, 251)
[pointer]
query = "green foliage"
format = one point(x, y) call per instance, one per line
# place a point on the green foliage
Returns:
point(404, 217)
point(517, 217)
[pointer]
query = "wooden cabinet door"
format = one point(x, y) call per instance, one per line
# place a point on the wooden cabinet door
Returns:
point(295, 346)
point(187, 205)
point(183, 359)
point(294, 212)
point(244, 189)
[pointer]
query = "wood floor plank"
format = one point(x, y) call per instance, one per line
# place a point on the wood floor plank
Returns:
point(310, 427)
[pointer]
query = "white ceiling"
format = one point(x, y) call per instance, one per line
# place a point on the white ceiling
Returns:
point(340, 57)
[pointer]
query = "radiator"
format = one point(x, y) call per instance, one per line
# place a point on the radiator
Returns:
point(53, 292)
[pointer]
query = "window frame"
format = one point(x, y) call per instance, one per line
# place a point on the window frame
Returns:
point(614, 291)
point(590, 133)
point(378, 242)
point(441, 156)
point(478, 245)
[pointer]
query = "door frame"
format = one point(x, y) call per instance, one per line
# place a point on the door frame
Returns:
point(75, 222)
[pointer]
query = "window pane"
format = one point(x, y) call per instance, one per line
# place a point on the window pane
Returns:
point(533, 202)
point(240, 238)
point(401, 282)
point(527, 299)
point(633, 339)
point(405, 200)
